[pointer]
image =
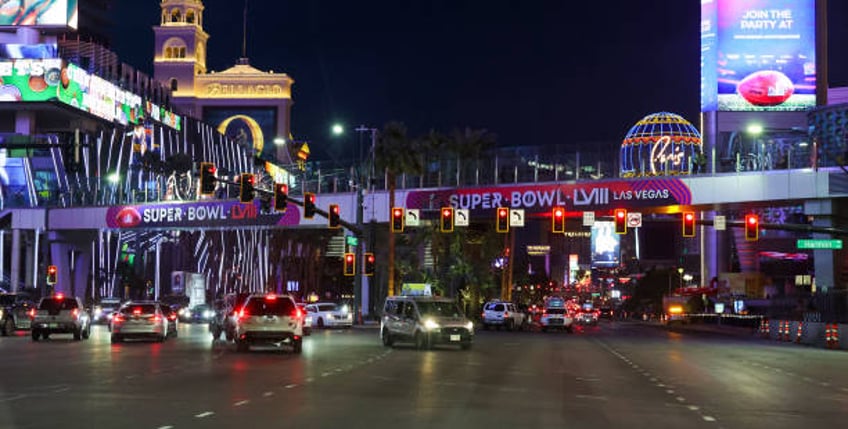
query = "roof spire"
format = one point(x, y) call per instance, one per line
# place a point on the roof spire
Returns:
point(243, 59)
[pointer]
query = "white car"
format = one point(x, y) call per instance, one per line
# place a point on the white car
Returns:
point(269, 319)
point(499, 313)
point(330, 315)
point(307, 319)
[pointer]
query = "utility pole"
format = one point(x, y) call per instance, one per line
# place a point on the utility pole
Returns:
point(360, 295)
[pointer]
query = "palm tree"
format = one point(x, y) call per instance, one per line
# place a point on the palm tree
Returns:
point(469, 144)
point(396, 154)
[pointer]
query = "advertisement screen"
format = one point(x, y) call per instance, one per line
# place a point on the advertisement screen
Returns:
point(254, 126)
point(38, 13)
point(606, 245)
point(758, 55)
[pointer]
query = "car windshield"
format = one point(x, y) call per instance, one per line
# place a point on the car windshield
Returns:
point(275, 307)
point(139, 309)
point(439, 309)
point(56, 304)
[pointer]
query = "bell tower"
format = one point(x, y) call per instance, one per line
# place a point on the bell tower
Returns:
point(180, 51)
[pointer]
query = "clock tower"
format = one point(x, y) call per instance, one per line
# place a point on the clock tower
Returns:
point(180, 51)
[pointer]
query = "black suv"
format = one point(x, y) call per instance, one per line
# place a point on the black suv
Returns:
point(225, 315)
point(14, 312)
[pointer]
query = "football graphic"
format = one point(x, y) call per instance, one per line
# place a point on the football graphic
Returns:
point(766, 88)
point(128, 217)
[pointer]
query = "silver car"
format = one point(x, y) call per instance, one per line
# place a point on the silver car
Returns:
point(269, 319)
point(140, 319)
point(425, 321)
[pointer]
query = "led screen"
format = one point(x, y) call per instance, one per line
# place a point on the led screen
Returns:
point(758, 55)
point(38, 13)
point(605, 245)
point(255, 126)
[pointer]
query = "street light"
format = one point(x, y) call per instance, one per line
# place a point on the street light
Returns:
point(337, 129)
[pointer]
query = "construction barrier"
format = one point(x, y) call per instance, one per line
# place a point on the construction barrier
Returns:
point(783, 331)
point(800, 332)
point(831, 335)
point(764, 328)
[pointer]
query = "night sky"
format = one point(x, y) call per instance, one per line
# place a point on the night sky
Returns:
point(531, 71)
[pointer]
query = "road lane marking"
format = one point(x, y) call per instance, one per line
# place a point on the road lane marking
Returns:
point(291, 386)
point(267, 394)
point(669, 391)
point(845, 389)
point(64, 389)
point(326, 374)
point(653, 380)
point(660, 385)
point(13, 398)
point(204, 414)
point(165, 427)
point(596, 398)
point(693, 408)
point(681, 399)
point(825, 384)
point(240, 403)
point(310, 380)
point(708, 418)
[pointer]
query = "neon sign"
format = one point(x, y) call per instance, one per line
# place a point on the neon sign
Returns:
point(664, 152)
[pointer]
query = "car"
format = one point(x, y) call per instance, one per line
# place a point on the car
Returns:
point(330, 315)
point(139, 319)
point(587, 317)
point(555, 315)
point(307, 319)
point(223, 322)
point(425, 321)
point(201, 313)
point(103, 310)
point(14, 312)
point(498, 313)
point(269, 319)
point(173, 321)
point(59, 314)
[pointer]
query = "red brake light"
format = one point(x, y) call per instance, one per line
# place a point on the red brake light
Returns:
point(296, 313)
point(506, 314)
point(242, 314)
point(31, 313)
point(60, 296)
point(172, 316)
point(157, 318)
point(270, 297)
point(136, 311)
point(75, 312)
point(118, 317)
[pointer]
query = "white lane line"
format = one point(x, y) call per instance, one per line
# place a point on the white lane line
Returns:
point(240, 403)
point(825, 384)
point(681, 399)
point(165, 427)
point(669, 391)
point(660, 385)
point(267, 394)
point(131, 376)
point(653, 380)
point(845, 389)
point(13, 398)
point(309, 380)
point(693, 408)
point(808, 379)
point(596, 398)
point(338, 370)
point(64, 389)
point(204, 414)
point(325, 374)
point(291, 386)
point(708, 418)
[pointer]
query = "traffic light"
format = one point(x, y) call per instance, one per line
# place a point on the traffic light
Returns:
point(333, 219)
point(502, 219)
point(688, 224)
point(349, 264)
point(308, 205)
point(281, 197)
point(558, 220)
point(52, 274)
point(207, 178)
point(752, 227)
point(620, 218)
point(447, 219)
point(246, 191)
point(397, 219)
point(370, 262)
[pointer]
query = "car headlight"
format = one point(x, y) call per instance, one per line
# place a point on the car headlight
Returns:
point(183, 312)
point(345, 309)
point(208, 314)
point(430, 324)
point(469, 326)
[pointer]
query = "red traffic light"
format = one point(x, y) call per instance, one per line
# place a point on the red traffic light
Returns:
point(558, 220)
point(502, 221)
point(620, 219)
point(333, 218)
point(688, 224)
point(447, 219)
point(370, 262)
point(308, 205)
point(752, 227)
point(349, 264)
point(397, 219)
point(52, 274)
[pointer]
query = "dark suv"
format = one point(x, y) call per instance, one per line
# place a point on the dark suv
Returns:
point(224, 321)
point(14, 312)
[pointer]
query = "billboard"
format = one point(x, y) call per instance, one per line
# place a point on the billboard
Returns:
point(39, 13)
point(606, 245)
point(758, 55)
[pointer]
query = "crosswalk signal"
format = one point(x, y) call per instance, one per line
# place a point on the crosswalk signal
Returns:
point(397, 219)
point(370, 264)
point(207, 178)
point(447, 219)
point(502, 219)
point(281, 197)
point(308, 205)
point(558, 220)
point(688, 224)
point(333, 217)
point(246, 190)
point(349, 264)
point(52, 274)
point(620, 218)
point(752, 227)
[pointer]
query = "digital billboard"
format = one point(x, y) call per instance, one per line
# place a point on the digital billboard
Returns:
point(39, 13)
point(758, 55)
point(606, 245)
point(254, 126)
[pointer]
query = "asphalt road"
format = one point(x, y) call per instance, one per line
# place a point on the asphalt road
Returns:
point(617, 375)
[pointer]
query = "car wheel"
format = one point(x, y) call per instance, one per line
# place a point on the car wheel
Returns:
point(8, 327)
point(297, 346)
point(421, 341)
point(387, 338)
point(78, 334)
point(216, 333)
point(465, 345)
point(86, 333)
point(320, 322)
point(569, 329)
point(116, 339)
point(242, 346)
point(35, 335)
point(45, 335)
point(161, 339)
point(509, 325)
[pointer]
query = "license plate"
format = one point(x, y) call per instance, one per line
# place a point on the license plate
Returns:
point(52, 325)
point(454, 337)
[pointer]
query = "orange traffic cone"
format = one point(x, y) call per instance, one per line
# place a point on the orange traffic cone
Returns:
point(800, 332)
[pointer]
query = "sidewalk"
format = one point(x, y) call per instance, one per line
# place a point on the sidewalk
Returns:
point(734, 331)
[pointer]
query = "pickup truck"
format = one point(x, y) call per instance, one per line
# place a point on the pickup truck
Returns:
point(58, 314)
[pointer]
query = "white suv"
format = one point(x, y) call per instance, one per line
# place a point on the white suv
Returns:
point(498, 313)
point(556, 315)
point(269, 319)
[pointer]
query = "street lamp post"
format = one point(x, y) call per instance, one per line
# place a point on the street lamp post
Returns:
point(360, 292)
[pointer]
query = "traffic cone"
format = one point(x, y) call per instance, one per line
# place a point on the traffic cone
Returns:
point(828, 335)
point(764, 328)
point(834, 336)
point(800, 332)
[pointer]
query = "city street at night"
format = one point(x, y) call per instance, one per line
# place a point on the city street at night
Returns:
point(618, 374)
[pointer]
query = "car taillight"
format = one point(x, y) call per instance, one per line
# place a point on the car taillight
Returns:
point(506, 314)
point(296, 313)
point(242, 314)
point(31, 313)
point(75, 312)
point(172, 317)
point(118, 318)
point(157, 318)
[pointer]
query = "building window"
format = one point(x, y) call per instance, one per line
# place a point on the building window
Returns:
point(190, 17)
point(168, 53)
point(174, 84)
point(182, 52)
point(176, 16)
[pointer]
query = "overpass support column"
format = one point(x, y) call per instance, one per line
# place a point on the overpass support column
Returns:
point(714, 250)
point(828, 264)
point(15, 270)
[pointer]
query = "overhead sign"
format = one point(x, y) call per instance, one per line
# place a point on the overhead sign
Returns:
point(720, 223)
point(413, 217)
point(209, 214)
point(538, 249)
point(825, 244)
point(516, 217)
point(351, 240)
point(39, 13)
point(461, 217)
point(588, 218)
point(634, 219)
